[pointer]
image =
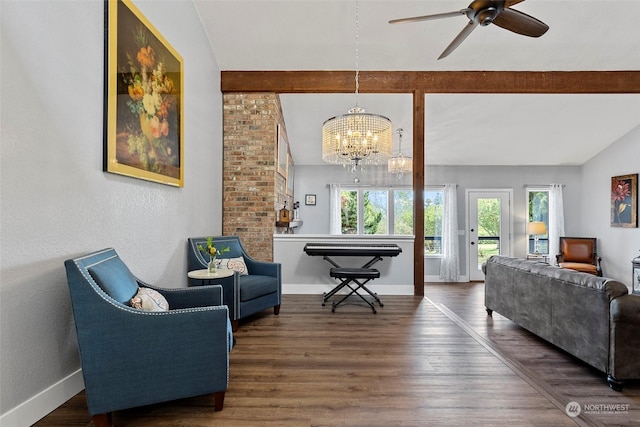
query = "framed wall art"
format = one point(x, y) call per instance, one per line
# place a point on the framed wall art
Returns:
point(283, 150)
point(143, 99)
point(624, 201)
point(310, 199)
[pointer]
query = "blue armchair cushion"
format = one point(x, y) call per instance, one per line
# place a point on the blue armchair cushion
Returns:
point(254, 286)
point(149, 300)
point(235, 264)
point(115, 279)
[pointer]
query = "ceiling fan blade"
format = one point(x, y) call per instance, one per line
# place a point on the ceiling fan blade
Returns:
point(429, 17)
point(509, 3)
point(471, 25)
point(520, 23)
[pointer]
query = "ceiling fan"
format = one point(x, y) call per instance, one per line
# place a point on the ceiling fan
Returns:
point(485, 12)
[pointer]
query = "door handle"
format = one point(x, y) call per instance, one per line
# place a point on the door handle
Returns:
point(473, 243)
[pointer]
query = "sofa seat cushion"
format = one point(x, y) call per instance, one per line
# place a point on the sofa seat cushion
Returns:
point(255, 286)
point(578, 266)
point(115, 279)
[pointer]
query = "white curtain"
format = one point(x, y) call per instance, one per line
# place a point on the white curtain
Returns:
point(449, 269)
point(556, 221)
point(335, 217)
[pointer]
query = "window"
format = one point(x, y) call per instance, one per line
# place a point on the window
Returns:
point(389, 211)
point(538, 210)
point(364, 211)
point(433, 200)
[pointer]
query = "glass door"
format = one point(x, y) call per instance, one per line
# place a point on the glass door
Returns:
point(489, 231)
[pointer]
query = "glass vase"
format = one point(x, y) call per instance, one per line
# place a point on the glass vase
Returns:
point(212, 264)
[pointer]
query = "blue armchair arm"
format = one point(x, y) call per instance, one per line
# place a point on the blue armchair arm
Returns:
point(262, 268)
point(201, 296)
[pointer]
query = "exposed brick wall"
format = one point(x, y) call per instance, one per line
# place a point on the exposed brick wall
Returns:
point(253, 190)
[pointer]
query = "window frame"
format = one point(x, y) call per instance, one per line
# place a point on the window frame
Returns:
point(528, 217)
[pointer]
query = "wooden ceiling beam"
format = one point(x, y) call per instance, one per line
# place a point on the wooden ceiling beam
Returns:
point(432, 81)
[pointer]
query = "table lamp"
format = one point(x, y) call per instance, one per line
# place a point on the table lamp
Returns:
point(536, 228)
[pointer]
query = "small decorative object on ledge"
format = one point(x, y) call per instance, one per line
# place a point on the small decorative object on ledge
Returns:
point(296, 213)
point(636, 275)
point(284, 214)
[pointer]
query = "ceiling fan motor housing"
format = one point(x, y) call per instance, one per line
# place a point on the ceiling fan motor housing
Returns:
point(484, 12)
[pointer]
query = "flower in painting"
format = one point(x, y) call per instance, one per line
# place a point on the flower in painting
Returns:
point(151, 101)
point(146, 57)
point(619, 191)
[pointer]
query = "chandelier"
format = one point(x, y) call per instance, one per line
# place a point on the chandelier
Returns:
point(400, 164)
point(356, 138)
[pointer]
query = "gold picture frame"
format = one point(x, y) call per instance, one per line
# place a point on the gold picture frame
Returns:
point(144, 108)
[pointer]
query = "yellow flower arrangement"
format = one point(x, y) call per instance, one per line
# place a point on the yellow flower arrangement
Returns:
point(213, 252)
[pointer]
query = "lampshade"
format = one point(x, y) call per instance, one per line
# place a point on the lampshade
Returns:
point(356, 138)
point(536, 228)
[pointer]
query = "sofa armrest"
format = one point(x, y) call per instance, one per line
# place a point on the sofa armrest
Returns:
point(624, 360)
point(200, 296)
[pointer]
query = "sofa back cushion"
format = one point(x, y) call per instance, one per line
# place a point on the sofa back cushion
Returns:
point(115, 279)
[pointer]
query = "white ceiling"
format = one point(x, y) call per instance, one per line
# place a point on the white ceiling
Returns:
point(460, 129)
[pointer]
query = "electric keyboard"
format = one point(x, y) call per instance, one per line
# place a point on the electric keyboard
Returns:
point(351, 249)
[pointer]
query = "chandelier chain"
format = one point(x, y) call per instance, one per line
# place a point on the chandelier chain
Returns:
point(357, 50)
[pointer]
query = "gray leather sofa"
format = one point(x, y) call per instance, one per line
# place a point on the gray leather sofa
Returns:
point(593, 318)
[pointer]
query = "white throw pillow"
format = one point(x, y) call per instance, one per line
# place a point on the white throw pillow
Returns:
point(149, 300)
point(235, 264)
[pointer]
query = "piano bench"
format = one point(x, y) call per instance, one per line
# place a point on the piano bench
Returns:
point(354, 273)
point(354, 279)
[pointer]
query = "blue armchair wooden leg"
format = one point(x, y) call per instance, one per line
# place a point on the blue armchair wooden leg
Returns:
point(103, 420)
point(276, 309)
point(234, 325)
point(218, 400)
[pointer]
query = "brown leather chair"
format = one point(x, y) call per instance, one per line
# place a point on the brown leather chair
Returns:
point(579, 253)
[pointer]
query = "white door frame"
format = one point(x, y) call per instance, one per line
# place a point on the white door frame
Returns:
point(499, 192)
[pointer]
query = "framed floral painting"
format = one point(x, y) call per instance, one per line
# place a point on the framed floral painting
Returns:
point(624, 201)
point(143, 98)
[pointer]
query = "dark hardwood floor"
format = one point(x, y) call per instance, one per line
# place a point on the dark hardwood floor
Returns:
point(438, 360)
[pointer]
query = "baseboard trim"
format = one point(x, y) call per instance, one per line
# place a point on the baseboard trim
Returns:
point(40, 405)
point(319, 289)
point(437, 279)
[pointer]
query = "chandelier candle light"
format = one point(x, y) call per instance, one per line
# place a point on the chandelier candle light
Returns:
point(356, 138)
point(399, 164)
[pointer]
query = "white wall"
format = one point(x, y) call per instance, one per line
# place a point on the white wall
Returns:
point(57, 203)
point(314, 179)
point(304, 274)
point(617, 246)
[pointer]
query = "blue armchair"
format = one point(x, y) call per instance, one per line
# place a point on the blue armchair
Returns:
point(132, 357)
point(244, 294)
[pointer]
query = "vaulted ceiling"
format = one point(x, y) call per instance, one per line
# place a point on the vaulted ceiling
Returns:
point(460, 129)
